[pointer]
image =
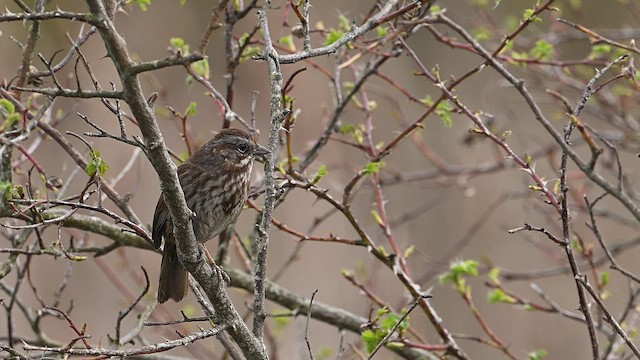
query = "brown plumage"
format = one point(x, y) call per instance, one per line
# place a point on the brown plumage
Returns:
point(215, 181)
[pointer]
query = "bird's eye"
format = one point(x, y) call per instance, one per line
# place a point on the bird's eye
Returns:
point(242, 148)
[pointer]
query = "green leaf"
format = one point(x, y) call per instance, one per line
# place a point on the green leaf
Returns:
point(142, 4)
point(11, 120)
point(288, 42)
point(77, 258)
point(382, 312)
point(444, 110)
point(191, 109)
point(288, 100)
point(499, 296)
point(457, 271)
point(538, 354)
point(179, 44)
point(467, 267)
point(334, 35)
point(358, 136)
point(347, 273)
point(519, 55)
point(575, 244)
point(103, 167)
point(371, 339)
point(508, 46)
point(427, 100)
point(347, 129)
point(494, 275)
point(409, 251)
point(91, 168)
point(325, 353)
point(322, 172)
point(5, 188)
point(176, 42)
point(482, 33)
point(201, 68)
point(390, 320)
point(372, 167)
point(96, 164)
point(243, 39)
point(190, 310)
point(7, 106)
point(282, 321)
point(248, 53)
point(480, 3)
point(542, 50)
point(529, 15)
point(600, 50)
point(394, 345)
point(377, 217)
point(382, 31)
point(344, 23)
point(348, 85)
point(604, 278)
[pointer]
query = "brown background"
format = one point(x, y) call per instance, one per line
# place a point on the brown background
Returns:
point(459, 202)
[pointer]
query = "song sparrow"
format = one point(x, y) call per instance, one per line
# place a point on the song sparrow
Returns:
point(215, 181)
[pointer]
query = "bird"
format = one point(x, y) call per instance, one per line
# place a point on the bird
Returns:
point(215, 181)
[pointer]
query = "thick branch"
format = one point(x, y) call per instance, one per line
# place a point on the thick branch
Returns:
point(189, 251)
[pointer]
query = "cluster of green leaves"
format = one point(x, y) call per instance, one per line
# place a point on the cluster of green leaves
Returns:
point(356, 132)
point(458, 270)
point(384, 322)
point(335, 34)
point(11, 191)
point(541, 50)
point(444, 109)
point(9, 114)
point(248, 50)
point(498, 295)
point(96, 164)
point(372, 167)
point(200, 67)
point(530, 15)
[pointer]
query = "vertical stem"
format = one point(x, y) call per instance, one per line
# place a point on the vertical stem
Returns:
point(277, 116)
point(27, 54)
point(564, 214)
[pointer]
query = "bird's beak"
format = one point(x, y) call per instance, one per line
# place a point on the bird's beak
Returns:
point(261, 152)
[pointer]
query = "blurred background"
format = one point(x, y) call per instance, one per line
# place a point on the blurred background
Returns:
point(446, 217)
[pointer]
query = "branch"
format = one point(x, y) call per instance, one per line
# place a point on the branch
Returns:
point(277, 116)
point(102, 353)
point(189, 251)
point(335, 316)
point(351, 35)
